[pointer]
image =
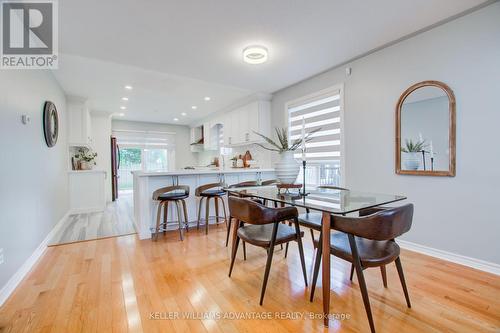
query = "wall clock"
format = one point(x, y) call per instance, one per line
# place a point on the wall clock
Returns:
point(50, 123)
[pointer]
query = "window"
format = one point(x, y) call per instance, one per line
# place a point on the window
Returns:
point(324, 153)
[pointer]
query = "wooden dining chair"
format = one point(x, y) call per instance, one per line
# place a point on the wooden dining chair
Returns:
point(369, 241)
point(264, 229)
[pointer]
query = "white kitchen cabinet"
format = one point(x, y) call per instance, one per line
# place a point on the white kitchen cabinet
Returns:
point(79, 124)
point(211, 135)
point(242, 123)
point(87, 191)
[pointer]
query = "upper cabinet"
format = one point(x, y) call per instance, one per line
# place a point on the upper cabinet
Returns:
point(241, 124)
point(79, 124)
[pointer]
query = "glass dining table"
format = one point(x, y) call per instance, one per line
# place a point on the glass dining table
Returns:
point(329, 202)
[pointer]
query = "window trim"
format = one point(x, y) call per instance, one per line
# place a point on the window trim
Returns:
point(304, 99)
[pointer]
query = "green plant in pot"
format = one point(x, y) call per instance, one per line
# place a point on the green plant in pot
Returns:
point(287, 169)
point(86, 158)
point(413, 152)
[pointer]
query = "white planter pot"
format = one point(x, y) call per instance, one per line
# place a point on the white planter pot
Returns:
point(287, 169)
point(412, 161)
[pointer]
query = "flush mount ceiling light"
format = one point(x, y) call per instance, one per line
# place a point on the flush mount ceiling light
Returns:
point(207, 98)
point(122, 107)
point(194, 107)
point(124, 98)
point(255, 54)
point(128, 87)
point(184, 114)
point(121, 114)
point(176, 119)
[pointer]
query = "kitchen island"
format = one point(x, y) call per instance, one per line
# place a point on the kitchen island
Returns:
point(145, 183)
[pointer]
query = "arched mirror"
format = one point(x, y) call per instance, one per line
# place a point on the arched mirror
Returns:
point(425, 130)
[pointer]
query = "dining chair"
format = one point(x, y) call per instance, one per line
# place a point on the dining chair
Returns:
point(164, 196)
point(369, 241)
point(264, 229)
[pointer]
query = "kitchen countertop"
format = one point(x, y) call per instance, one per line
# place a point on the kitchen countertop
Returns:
point(198, 172)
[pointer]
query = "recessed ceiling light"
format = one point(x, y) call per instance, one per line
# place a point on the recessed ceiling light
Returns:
point(176, 119)
point(194, 107)
point(255, 54)
point(124, 98)
point(207, 98)
point(128, 87)
point(123, 107)
point(121, 114)
point(184, 114)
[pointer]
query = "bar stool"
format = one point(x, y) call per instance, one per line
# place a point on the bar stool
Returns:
point(165, 195)
point(215, 192)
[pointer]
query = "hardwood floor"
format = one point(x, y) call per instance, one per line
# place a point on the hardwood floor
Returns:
point(116, 220)
point(121, 284)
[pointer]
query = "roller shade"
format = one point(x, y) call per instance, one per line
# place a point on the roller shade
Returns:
point(144, 139)
point(321, 111)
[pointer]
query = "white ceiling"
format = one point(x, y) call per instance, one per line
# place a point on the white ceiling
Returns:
point(176, 52)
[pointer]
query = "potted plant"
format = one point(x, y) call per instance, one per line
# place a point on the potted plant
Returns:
point(287, 169)
point(86, 158)
point(412, 151)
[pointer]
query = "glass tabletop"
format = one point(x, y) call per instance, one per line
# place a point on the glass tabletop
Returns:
point(324, 200)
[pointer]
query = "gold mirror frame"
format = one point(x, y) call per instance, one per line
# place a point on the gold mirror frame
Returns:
point(452, 131)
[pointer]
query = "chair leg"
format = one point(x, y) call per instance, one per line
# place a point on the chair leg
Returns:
point(312, 238)
point(158, 221)
point(317, 263)
point(165, 216)
point(228, 229)
point(384, 275)
point(403, 283)
point(207, 214)
point(216, 204)
point(185, 214)
point(224, 210)
point(361, 280)
point(244, 251)
point(352, 272)
point(269, 261)
point(179, 219)
point(236, 242)
point(199, 213)
point(286, 250)
point(301, 249)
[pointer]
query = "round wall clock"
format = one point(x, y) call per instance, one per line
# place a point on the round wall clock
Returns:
point(50, 123)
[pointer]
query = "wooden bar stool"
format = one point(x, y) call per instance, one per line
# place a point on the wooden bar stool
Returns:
point(215, 192)
point(176, 195)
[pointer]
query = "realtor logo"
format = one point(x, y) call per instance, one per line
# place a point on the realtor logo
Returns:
point(29, 34)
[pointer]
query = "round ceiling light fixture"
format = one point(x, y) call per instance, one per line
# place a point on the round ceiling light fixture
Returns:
point(255, 54)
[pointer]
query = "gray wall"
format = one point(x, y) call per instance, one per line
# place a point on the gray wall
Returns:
point(452, 214)
point(183, 155)
point(33, 177)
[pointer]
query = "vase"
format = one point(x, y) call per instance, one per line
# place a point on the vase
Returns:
point(287, 169)
point(85, 165)
point(412, 160)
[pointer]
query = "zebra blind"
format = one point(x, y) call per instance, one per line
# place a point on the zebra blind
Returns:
point(322, 111)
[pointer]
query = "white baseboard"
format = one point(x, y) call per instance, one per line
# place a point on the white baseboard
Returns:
point(14, 281)
point(453, 257)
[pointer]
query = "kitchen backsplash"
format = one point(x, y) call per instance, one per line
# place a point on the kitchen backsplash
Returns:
point(262, 156)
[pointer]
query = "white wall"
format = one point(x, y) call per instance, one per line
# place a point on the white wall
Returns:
point(183, 155)
point(33, 177)
point(457, 214)
point(101, 142)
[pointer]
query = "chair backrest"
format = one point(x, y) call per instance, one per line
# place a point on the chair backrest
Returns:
point(270, 182)
point(385, 224)
point(331, 187)
point(251, 212)
point(245, 184)
point(205, 187)
point(160, 191)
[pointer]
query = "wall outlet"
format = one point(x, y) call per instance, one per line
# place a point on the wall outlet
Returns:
point(1, 256)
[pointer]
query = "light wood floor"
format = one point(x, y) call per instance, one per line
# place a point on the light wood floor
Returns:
point(115, 284)
point(115, 220)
